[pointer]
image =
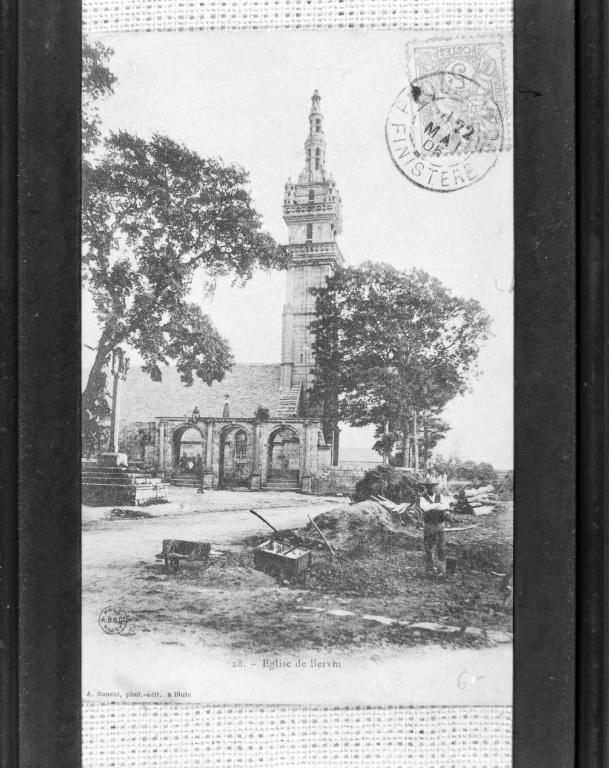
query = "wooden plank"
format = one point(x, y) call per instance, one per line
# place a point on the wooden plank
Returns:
point(327, 543)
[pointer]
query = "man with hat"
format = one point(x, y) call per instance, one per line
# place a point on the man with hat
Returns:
point(435, 515)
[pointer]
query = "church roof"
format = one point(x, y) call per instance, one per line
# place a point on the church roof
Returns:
point(248, 386)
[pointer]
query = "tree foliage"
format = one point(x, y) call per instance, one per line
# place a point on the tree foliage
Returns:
point(390, 344)
point(97, 83)
point(477, 474)
point(262, 413)
point(433, 430)
point(153, 213)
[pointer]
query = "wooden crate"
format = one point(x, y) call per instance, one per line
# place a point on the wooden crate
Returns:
point(273, 557)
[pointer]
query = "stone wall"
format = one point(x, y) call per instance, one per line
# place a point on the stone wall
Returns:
point(336, 480)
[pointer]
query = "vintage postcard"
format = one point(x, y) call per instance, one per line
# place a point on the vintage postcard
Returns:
point(297, 367)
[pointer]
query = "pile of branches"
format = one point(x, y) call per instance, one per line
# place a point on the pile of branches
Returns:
point(391, 482)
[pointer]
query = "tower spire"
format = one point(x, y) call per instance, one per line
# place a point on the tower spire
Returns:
point(315, 101)
point(315, 145)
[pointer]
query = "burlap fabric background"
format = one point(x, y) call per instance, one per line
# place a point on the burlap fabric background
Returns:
point(162, 15)
point(190, 735)
point(184, 736)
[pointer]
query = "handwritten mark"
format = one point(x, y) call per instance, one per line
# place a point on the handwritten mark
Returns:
point(467, 678)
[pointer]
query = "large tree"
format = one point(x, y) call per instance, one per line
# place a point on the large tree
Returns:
point(155, 212)
point(97, 83)
point(392, 347)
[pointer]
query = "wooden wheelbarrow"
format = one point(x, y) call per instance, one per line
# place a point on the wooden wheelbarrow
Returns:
point(177, 550)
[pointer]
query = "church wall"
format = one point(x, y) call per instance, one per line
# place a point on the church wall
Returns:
point(287, 351)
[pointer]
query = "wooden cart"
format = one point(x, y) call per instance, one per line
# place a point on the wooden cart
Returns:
point(177, 550)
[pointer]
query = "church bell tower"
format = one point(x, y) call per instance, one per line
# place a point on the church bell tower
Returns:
point(312, 212)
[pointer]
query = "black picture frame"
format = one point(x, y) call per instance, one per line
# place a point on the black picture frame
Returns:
point(557, 215)
point(41, 697)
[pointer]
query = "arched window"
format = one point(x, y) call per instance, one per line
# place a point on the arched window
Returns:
point(240, 446)
point(317, 125)
point(309, 231)
point(317, 156)
point(311, 195)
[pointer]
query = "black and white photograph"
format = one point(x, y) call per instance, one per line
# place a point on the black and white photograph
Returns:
point(297, 367)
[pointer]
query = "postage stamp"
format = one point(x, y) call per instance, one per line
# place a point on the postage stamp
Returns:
point(444, 131)
point(473, 68)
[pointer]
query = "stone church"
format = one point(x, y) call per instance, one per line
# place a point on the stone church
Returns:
point(256, 427)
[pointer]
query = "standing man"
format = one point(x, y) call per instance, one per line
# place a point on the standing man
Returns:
point(435, 515)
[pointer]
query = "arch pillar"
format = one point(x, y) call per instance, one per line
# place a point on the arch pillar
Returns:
point(306, 459)
point(258, 451)
point(161, 447)
point(208, 469)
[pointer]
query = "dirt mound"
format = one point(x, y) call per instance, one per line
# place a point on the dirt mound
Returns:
point(235, 577)
point(127, 514)
point(356, 529)
point(363, 515)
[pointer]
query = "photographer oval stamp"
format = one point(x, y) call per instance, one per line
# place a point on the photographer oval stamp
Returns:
point(444, 131)
point(113, 620)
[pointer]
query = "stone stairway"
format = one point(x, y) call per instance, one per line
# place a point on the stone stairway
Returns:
point(289, 403)
point(186, 480)
point(286, 480)
point(280, 485)
point(108, 486)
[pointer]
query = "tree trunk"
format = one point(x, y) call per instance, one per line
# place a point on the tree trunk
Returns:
point(426, 450)
point(406, 443)
point(104, 347)
point(385, 454)
point(116, 413)
point(415, 441)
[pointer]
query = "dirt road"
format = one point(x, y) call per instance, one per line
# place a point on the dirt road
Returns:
point(189, 636)
point(220, 518)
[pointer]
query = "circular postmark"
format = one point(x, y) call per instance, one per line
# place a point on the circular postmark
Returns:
point(444, 131)
point(112, 620)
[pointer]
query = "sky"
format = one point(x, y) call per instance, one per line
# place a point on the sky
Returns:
point(245, 97)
